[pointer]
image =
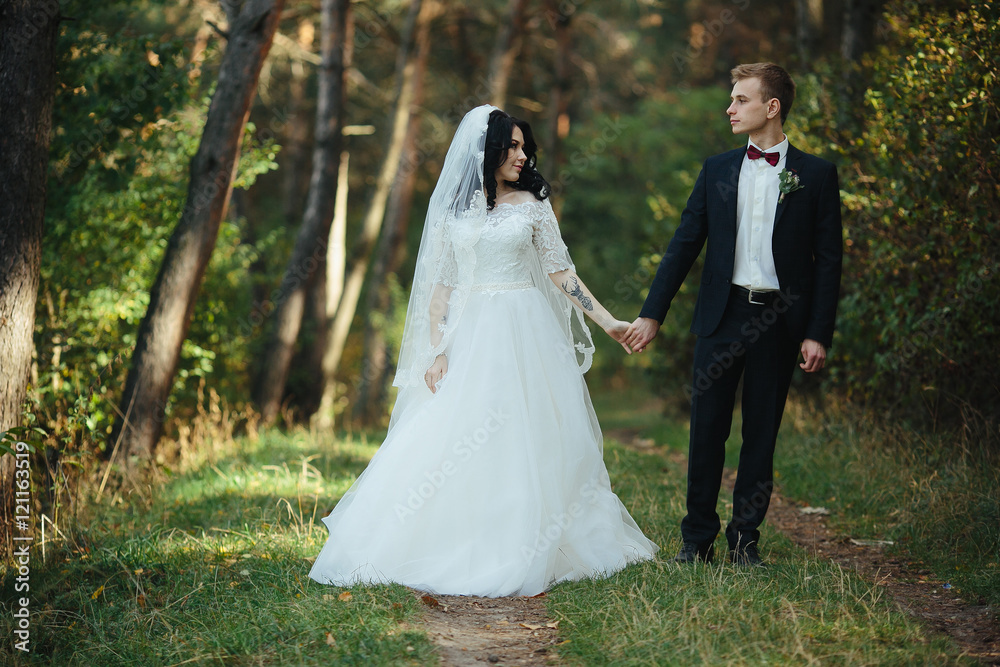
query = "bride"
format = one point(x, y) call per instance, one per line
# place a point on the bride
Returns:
point(491, 479)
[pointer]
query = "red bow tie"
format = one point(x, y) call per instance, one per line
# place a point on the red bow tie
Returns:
point(755, 153)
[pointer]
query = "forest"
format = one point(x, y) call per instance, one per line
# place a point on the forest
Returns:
point(209, 211)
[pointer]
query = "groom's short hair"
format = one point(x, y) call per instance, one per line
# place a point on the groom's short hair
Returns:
point(774, 82)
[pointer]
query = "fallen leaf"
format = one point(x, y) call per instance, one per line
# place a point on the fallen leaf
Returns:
point(553, 625)
point(531, 626)
point(141, 600)
point(814, 510)
point(872, 543)
point(97, 593)
point(330, 639)
point(345, 596)
point(429, 601)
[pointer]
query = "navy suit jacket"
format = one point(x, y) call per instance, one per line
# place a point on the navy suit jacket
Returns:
point(807, 245)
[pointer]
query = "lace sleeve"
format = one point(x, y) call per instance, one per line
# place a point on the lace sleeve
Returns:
point(552, 251)
point(445, 264)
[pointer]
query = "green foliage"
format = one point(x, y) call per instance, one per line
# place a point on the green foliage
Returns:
point(127, 121)
point(622, 191)
point(920, 173)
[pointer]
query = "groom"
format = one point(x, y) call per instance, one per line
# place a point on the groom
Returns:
point(770, 215)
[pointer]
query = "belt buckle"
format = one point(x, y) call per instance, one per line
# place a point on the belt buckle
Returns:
point(750, 292)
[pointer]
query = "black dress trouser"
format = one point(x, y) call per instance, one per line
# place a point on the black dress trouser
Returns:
point(752, 341)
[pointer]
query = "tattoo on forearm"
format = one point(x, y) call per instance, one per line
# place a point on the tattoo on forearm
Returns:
point(577, 291)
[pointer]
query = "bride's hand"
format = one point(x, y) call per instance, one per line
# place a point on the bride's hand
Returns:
point(436, 372)
point(618, 329)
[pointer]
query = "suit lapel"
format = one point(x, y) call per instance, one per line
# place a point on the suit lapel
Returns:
point(793, 162)
point(732, 172)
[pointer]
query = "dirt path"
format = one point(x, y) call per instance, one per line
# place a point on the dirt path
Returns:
point(516, 631)
point(491, 631)
point(973, 627)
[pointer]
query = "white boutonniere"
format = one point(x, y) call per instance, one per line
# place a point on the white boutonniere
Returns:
point(788, 181)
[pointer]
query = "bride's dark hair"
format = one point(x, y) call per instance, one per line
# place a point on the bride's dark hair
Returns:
point(499, 135)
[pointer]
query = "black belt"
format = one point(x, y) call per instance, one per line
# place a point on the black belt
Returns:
point(755, 297)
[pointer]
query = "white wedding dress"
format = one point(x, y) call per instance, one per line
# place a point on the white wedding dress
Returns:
point(496, 484)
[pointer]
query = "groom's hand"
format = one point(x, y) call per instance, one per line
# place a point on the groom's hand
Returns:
point(641, 332)
point(813, 355)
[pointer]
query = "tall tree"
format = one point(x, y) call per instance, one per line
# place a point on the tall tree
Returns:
point(860, 21)
point(505, 50)
point(308, 256)
point(390, 253)
point(559, 21)
point(295, 145)
point(420, 15)
point(28, 30)
point(139, 425)
point(808, 27)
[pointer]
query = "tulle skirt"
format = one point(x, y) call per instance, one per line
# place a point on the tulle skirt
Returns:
point(496, 484)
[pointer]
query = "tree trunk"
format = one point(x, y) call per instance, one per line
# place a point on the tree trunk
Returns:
point(172, 298)
point(505, 51)
point(376, 360)
point(295, 148)
point(860, 20)
point(559, 96)
point(406, 67)
point(319, 300)
point(336, 251)
point(808, 27)
point(309, 254)
point(28, 31)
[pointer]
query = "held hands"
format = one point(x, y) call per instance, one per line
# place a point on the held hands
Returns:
point(436, 372)
point(618, 329)
point(640, 333)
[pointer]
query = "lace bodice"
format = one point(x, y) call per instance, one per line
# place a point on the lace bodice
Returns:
point(502, 249)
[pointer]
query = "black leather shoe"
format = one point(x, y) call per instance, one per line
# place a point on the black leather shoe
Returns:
point(692, 551)
point(746, 556)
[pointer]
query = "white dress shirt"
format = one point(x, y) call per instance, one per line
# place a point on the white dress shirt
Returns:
point(756, 202)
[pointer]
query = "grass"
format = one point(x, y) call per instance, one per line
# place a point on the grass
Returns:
point(800, 610)
point(211, 568)
point(937, 497)
point(208, 564)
